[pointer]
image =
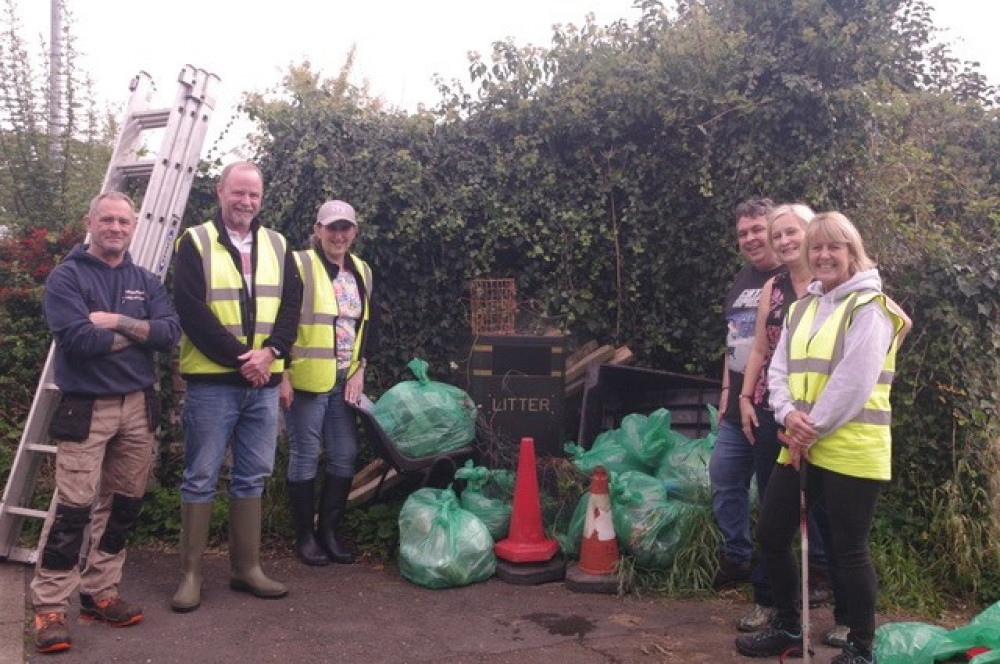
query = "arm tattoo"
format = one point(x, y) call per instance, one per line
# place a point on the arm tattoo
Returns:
point(133, 328)
point(120, 341)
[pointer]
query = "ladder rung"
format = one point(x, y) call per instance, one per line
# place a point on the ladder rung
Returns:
point(22, 555)
point(153, 118)
point(26, 511)
point(41, 447)
point(138, 169)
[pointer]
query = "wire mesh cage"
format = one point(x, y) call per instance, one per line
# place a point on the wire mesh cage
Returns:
point(494, 304)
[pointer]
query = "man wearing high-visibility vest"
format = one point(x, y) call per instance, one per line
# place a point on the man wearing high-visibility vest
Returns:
point(237, 293)
point(326, 374)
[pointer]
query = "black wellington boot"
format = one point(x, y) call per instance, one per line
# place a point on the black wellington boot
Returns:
point(302, 500)
point(331, 510)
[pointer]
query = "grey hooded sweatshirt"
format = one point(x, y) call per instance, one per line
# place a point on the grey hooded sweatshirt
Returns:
point(866, 344)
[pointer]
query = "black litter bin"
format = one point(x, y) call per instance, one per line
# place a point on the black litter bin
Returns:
point(519, 386)
point(611, 392)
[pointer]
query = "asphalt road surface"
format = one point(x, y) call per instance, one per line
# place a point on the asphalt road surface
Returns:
point(369, 613)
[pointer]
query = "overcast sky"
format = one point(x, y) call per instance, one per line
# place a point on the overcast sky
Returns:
point(401, 44)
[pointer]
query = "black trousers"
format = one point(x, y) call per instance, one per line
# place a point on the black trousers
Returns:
point(850, 507)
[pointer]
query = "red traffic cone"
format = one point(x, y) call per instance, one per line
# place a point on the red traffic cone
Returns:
point(599, 549)
point(526, 541)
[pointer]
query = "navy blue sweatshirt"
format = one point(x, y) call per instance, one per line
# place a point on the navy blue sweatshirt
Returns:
point(84, 361)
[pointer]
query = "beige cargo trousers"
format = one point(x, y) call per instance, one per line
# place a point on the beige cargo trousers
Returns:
point(100, 480)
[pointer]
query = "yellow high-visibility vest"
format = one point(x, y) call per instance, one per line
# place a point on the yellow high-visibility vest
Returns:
point(863, 446)
point(224, 286)
point(314, 354)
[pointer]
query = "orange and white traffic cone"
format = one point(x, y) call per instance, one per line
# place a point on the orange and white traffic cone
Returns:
point(599, 550)
point(597, 570)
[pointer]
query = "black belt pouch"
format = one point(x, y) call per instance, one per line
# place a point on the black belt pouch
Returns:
point(71, 421)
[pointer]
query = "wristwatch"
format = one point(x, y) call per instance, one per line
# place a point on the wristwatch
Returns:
point(275, 352)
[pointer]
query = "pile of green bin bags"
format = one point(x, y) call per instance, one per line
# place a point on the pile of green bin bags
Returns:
point(660, 493)
point(659, 489)
point(446, 541)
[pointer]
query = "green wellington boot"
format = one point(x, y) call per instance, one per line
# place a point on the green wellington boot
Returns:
point(196, 518)
point(244, 551)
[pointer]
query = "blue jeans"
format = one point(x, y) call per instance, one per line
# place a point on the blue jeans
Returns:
point(217, 415)
point(321, 419)
point(734, 462)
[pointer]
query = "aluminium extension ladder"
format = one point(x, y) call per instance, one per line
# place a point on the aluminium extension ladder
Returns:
point(170, 176)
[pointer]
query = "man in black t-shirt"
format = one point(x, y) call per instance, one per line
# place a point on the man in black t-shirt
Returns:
point(734, 459)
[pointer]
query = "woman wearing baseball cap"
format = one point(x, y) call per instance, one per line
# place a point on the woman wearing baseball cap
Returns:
point(326, 374)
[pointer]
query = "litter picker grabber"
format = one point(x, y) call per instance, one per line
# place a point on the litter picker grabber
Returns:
point(804, 562)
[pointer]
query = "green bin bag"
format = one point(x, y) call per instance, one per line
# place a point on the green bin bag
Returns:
point(920, 643)
point(650, 526)
point(647, 438)
point(440, 544)
point(605, 452)
point(424, 417)
point(488, 494)
point(907, 643)
point(684, 467)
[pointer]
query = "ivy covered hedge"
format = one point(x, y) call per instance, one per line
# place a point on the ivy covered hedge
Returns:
point(602, 173)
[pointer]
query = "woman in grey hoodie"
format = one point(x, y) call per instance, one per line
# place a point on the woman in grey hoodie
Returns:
point(830, 381)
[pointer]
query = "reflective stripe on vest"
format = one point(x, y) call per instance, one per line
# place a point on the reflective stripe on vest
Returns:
point(224, 292)
point(863, 446)
point(314, 368)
